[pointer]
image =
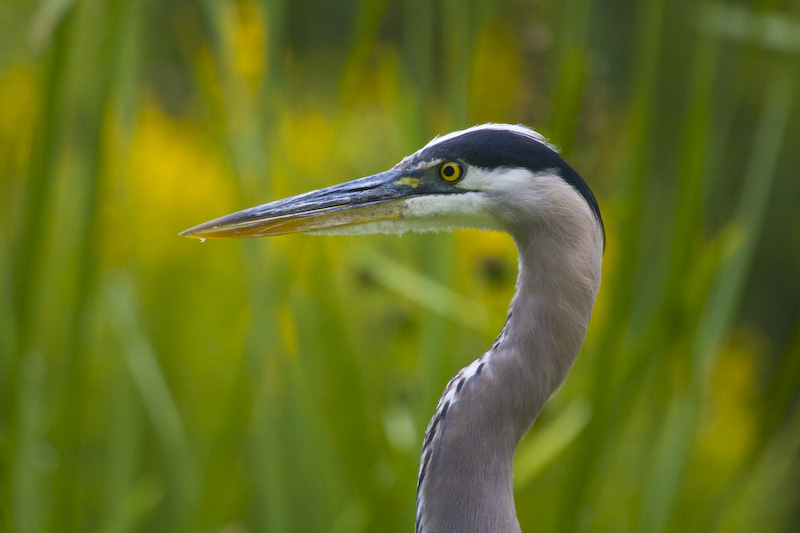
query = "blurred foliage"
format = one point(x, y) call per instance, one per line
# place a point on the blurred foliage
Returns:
point(149, 383)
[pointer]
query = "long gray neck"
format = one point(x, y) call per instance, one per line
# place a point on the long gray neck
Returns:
point(466, 467)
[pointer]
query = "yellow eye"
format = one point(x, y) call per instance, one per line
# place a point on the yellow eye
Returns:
point(451, 171)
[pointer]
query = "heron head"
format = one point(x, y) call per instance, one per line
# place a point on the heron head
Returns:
point(488, 177)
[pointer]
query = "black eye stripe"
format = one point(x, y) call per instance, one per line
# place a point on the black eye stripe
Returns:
point(497, 147)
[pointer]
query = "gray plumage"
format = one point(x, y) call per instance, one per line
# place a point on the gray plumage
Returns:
point(467, 481)
point(495, 177)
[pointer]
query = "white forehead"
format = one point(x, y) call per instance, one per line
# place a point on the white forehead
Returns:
point(516, 128)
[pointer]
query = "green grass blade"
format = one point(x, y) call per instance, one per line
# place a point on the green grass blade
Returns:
point(145, 371)
point(28, 461)
point(423, 291)
point(547, 442)
point(724, 298)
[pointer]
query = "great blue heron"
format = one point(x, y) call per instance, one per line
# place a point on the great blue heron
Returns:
point(494, 177)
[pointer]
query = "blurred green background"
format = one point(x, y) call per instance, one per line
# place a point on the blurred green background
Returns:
point(152, 383)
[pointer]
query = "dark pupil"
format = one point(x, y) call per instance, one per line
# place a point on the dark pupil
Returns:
point(449, 171)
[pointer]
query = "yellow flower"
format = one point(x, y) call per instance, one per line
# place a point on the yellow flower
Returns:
point(243, 23)
point(174, 179)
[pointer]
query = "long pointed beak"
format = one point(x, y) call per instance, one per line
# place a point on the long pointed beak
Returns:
point(378, 197)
